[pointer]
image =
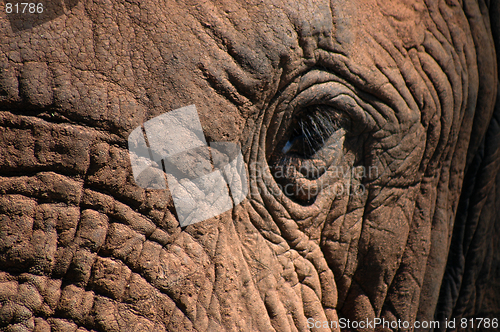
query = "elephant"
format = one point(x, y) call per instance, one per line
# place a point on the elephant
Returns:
point(370, 139)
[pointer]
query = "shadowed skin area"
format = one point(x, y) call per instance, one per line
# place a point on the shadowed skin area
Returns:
point(397, 95)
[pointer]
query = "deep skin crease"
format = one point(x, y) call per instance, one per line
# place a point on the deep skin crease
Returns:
point(409, 90)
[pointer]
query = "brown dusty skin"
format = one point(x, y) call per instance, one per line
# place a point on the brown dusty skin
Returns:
point(413, 85)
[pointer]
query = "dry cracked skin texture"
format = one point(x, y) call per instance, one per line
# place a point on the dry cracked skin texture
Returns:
point(83, 248)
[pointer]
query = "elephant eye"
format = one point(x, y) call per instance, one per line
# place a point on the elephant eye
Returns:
point(310, 131)
point(312, 142)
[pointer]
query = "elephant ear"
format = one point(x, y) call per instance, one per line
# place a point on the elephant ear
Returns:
point(471, 281)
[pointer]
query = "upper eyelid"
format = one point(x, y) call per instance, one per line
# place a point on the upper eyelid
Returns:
point(338, 96)
point(332, 93)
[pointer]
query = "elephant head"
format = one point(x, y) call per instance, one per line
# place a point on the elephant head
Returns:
point(369, 143)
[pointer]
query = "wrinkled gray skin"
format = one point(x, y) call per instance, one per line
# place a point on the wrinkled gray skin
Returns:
point(412, 84)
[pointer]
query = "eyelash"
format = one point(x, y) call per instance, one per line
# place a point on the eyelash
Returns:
point(312, 130)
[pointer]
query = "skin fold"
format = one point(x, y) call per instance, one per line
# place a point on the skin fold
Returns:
point(392, 101)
